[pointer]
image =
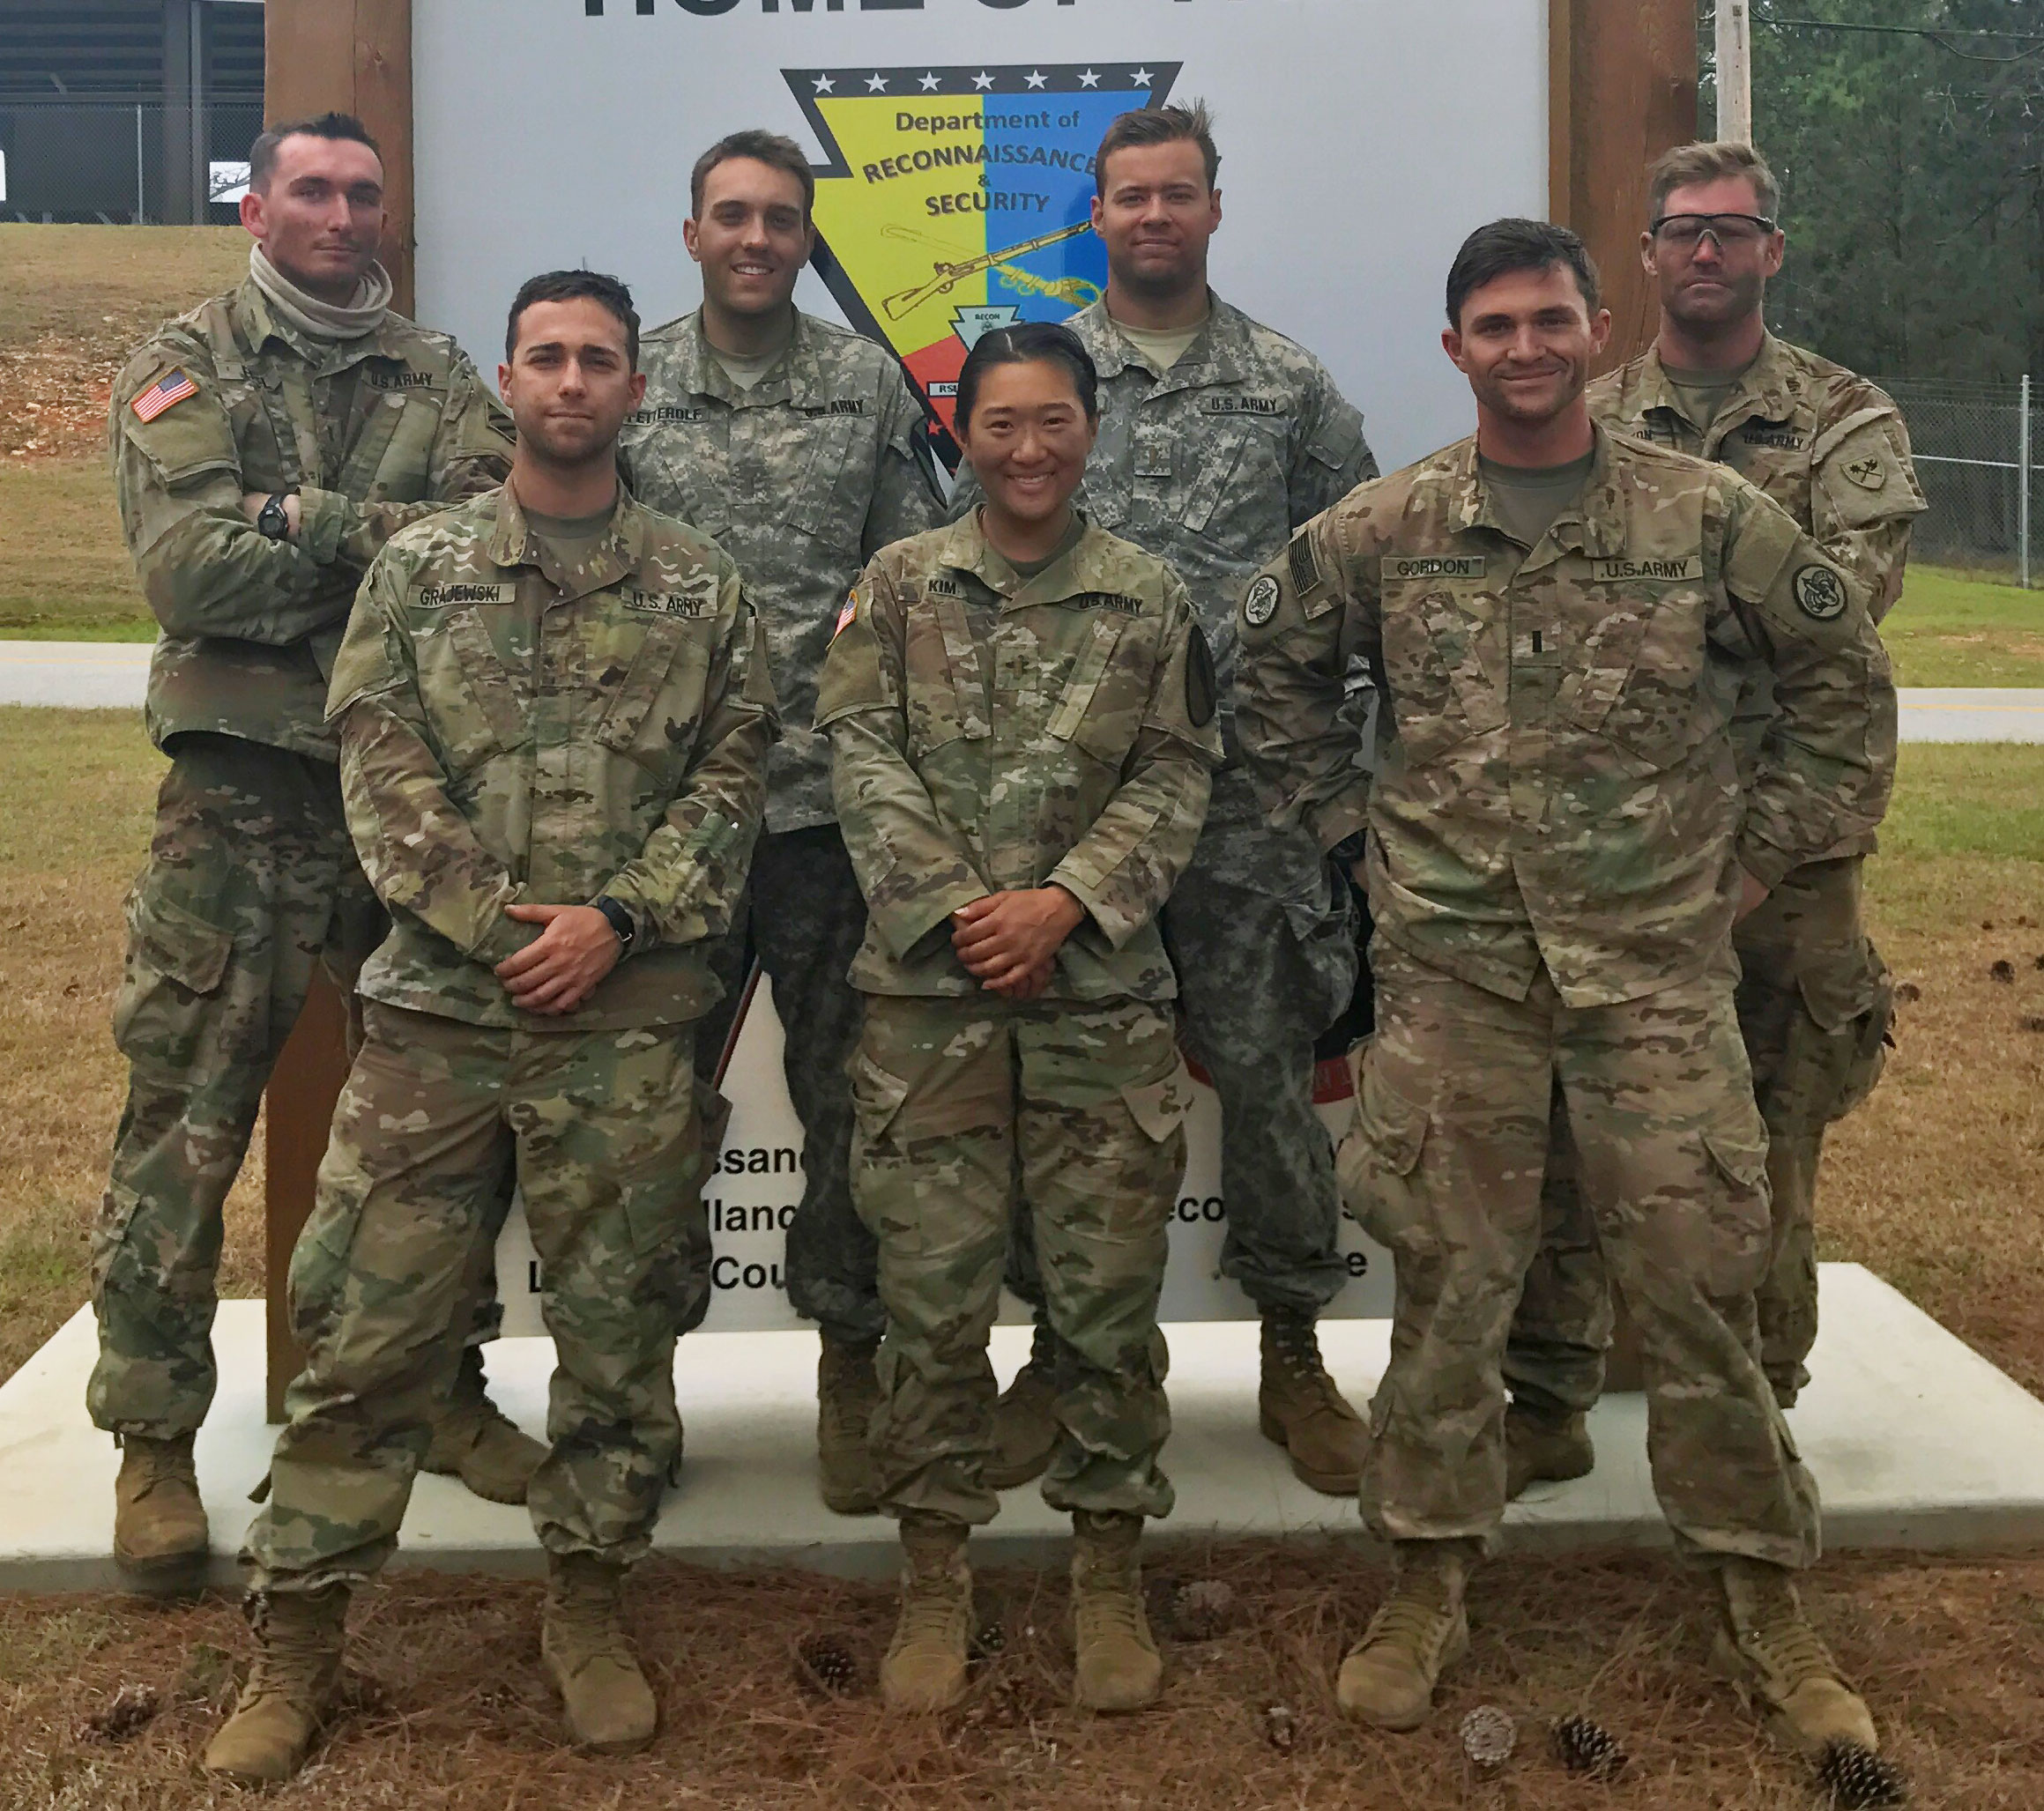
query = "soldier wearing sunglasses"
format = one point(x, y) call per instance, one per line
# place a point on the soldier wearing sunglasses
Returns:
point(1814, 1000)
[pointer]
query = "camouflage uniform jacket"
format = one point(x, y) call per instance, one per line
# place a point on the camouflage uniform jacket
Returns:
point(994, 733)
point(372, 433)
point(1826, 444)
point(1212, 465)
point(513, 733)
point(1555, 781)
point(802, 478)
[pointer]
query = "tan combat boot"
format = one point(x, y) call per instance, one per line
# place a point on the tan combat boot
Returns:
point(1766, 1648)
point(1298, 1406)
point(588, 1656)
point(925, 1667)
point(1119, 1667)
point(159, 1525)
point(847, 1393)
point(1025, 1421)
point(1389, 1676)
point(1538, 1451)
point(475, 1441)
point(299, 1638)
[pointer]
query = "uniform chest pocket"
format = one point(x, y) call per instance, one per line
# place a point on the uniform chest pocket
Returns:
point(475, 707)
point(1641, 679)
point(1235, 492)
point(1440, 669)
point(390, 460)
point(1105, 496)
point(655, 705)
point(1100, 709)
point(827, 498)
point(946, 687)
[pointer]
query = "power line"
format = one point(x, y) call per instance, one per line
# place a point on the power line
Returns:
point(1932, 32)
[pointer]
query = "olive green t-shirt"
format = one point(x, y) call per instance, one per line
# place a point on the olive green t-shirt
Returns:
point(1162, 349)
point(1029, 568)
point(1703, 393)
point(570, 540)
point(1528, 498)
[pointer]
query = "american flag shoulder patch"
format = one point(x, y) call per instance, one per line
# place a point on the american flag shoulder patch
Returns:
point(846, 616)
point(172, 388)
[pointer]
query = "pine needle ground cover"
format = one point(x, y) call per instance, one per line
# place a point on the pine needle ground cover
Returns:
point(1932, 1184)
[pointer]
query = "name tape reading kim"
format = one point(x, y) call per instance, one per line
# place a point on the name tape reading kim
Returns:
point(756, 1180)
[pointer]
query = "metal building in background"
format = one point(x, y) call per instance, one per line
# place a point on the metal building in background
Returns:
point(127, 110)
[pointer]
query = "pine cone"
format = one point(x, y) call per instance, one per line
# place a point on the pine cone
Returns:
point(1203, 1609)
point(1858, 1777)
point(1489, 1736)
point(989, 1641)
point(1587, 1748)
point(1281, 1728)
point(824, 1664)
point(128, 1709)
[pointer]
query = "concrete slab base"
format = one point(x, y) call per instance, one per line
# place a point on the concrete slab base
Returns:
point(1915, 1440)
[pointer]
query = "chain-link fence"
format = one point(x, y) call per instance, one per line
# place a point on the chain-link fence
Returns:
point(142, 162)
point(1977, 446)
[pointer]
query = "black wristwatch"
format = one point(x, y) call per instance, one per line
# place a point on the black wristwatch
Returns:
point(270, 520)
point(621, 922)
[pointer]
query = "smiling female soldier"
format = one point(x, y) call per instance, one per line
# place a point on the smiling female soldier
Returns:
point(1021, 709)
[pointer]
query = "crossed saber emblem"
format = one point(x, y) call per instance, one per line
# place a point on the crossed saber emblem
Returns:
point(947, 276)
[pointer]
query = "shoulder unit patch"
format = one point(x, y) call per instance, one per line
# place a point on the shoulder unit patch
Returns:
point(1818, 593)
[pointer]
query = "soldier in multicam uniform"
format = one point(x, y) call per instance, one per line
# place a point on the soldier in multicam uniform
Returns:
point(264, 447)
point(1557, 844)
point(554, 731)
point(1814, 1000)
point(798, 445)
point(1218, 438)
point(1022, 711)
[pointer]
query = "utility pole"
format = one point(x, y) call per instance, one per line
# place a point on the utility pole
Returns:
point(1734, 40)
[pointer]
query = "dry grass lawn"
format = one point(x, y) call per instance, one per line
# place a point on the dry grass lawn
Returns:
point(1933, 1184)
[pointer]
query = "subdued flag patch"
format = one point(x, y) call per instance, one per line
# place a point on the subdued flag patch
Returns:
point(172, 388)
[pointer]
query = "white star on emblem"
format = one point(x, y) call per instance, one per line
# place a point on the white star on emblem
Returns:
point(1037, 78)
point(876, 85)
point(1089, 79)
point(1140, 78)
point(825, 85)
point(983, 81)
point(931, 85)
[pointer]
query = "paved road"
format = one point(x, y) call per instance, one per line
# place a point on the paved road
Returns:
point(88, 674)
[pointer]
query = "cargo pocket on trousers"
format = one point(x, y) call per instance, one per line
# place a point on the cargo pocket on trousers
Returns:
point(1855, 1011)
point(876, 1097)
point(1741, 1231)
point(176, 961)
point(1377, 1162)
point(1160, 1107)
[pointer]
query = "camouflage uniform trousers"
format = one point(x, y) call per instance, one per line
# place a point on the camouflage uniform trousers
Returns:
point(802, 919)
point(1814, 1005)
point(1443, 1167)
point(599, 1131)
point(1261, 932)
point(251, 885)
point(969, 1111)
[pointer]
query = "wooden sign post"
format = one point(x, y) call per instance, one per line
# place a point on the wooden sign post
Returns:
point(1622, 85)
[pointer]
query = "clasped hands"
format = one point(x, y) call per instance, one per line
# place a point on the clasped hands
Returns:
point(560, 968)
point(1009, 941)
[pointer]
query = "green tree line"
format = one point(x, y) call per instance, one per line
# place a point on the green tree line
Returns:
point(1913, 176)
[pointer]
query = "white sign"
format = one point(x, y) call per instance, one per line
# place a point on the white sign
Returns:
point(751, 1198)
point(1360, 140)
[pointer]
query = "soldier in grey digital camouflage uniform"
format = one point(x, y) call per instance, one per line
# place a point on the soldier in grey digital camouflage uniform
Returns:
point(1023, 713)
point(1557, 844)
point(554, 731)
point(1814, 1000)
point(264, 447)
point(1218, 437)
point(798, 445)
